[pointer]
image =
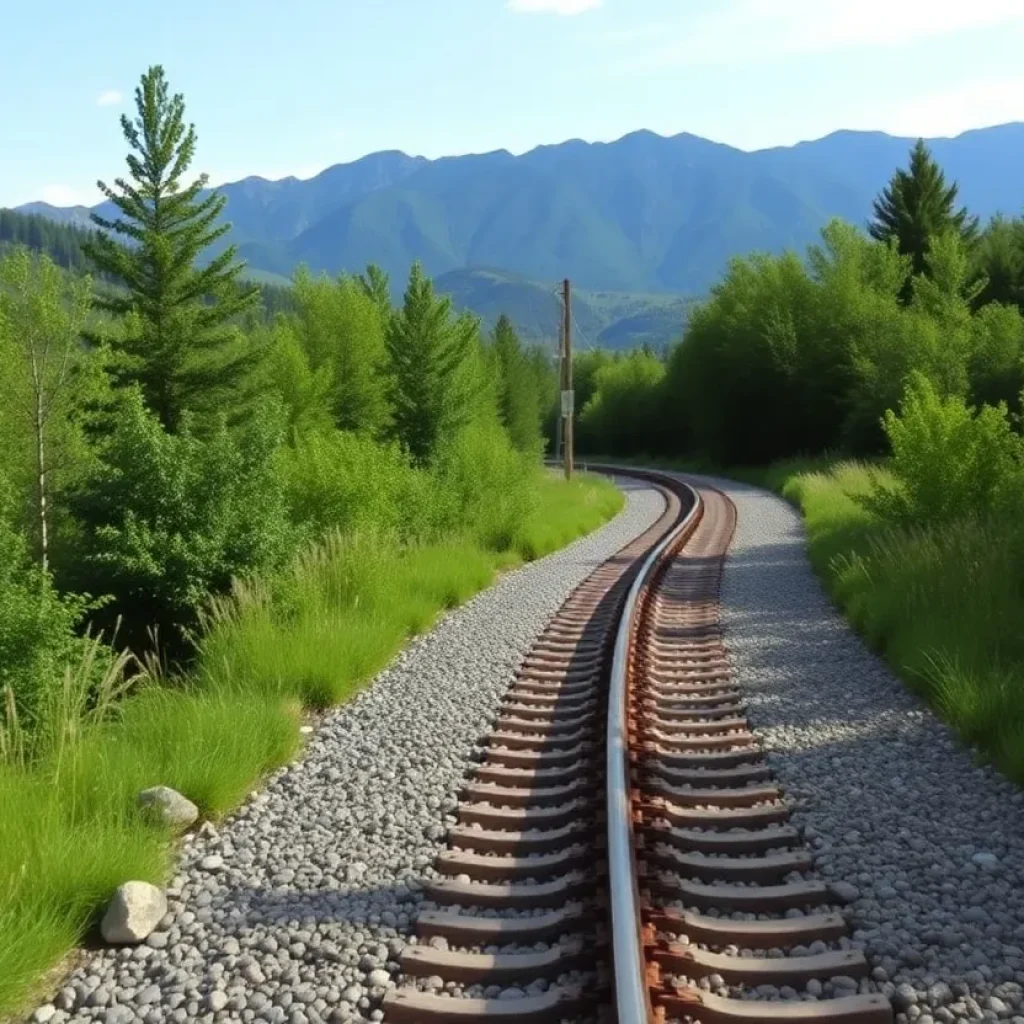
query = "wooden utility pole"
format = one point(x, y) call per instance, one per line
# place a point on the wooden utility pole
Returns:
point(567, 393)
point(561, 381)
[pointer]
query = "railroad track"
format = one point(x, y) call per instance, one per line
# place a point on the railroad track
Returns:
point(622, 851)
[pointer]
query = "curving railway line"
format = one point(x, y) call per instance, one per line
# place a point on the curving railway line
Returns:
point(622, 851)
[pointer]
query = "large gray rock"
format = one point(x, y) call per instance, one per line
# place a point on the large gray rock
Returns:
point(135, 910)
point(168, 806)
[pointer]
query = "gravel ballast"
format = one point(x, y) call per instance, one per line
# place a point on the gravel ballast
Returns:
point(929, 846)
point(297, 908)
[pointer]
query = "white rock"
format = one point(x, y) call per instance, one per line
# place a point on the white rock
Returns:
point(133, 913)
point(168, 806)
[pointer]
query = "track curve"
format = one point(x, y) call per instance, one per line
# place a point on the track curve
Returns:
point(622, 850)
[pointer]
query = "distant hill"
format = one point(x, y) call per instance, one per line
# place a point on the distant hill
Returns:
point(645, 214)
point(603, 319)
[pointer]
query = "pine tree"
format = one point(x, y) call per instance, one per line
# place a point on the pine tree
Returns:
point(916, 206)
point(518, 392)
point(176, 342)
point(430, 352)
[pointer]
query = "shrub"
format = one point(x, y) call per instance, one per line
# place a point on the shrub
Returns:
point(949, 462)
point(37, 626)
point(173, 517)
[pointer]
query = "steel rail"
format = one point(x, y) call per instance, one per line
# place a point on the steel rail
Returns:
point(631, 991)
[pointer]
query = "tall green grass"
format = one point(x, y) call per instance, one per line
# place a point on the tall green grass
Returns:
point(70, 831)
point(943, 603)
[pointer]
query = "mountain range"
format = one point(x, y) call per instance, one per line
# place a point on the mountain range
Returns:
point(644, 214)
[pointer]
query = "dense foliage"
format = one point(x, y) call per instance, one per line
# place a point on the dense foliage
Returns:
point(791, 356)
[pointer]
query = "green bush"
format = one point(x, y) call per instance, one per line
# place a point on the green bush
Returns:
point(949, 462)
point(37, 627)
point(171, 518)
point(485, 485)
point(348, 482)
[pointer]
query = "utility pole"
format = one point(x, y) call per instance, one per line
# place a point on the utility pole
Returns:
point(561, 378)
point(567, 393)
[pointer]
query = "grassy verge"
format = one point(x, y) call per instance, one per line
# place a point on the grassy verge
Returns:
point(70, 832)
point(943, 604)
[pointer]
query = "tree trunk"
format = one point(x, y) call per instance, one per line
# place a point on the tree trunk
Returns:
point(44, 539)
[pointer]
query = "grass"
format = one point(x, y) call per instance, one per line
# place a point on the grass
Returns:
point(944, 604)
point(70, 832)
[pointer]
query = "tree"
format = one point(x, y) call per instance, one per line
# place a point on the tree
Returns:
point(518, 389)
point(999, 260)
point(430, 360)
point(176, 342)
point(42, 314)
point(916, 206)
point(341, 328)
point(376, 285)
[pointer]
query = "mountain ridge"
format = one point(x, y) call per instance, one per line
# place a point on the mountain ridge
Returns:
point(642, 213)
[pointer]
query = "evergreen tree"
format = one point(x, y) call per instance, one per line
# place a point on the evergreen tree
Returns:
point(177, 342)
point(376, 285)
point(999, 262)
point(918, 205)
point(518, 391)
point(430, 354)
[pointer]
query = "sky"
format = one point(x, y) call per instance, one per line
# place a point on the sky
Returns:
point(289, 87)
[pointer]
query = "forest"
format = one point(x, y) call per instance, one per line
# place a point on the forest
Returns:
point(222, 508)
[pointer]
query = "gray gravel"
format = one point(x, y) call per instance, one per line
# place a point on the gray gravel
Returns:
point(297, 909)
point(930, 844)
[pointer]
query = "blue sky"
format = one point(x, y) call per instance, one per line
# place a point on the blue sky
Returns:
point(280, 87)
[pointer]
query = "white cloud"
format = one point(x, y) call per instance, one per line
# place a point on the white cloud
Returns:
point(745, 30)
point(564, 7)
point(950, 111)
point(108, 98)
point(66, 195)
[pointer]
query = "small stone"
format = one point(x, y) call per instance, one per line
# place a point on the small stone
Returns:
point(150, 994)
point(379, 978)
point(168, 806)
point(44, 1013)
point(133, 913)
point(217, 1000)
point(844, 892)
point(66, 998)
point(98, 996)
point(985, 860)
point(904, 997)
point(212, 862)
point(511, 993)
point(814, 988)
point(352, 994)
